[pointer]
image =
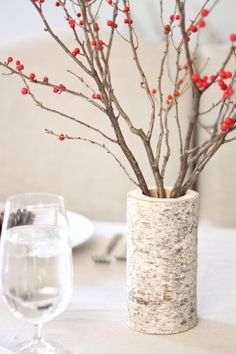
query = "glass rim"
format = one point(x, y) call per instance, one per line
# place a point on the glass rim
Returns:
point(14, 199)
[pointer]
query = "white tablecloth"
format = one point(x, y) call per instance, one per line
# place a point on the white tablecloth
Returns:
point(95, 322)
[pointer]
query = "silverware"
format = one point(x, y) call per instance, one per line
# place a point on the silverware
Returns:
point(105, 257)
point(123, 255)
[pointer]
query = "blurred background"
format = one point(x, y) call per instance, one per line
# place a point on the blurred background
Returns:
point(91, 181)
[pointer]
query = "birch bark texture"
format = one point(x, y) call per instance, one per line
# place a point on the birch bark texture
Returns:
point(162, 262)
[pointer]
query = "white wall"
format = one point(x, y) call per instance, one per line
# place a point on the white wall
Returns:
point(18, 20)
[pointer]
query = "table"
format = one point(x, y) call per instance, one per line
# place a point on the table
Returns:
point(95, 321)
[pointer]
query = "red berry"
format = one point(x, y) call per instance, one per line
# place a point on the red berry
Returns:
point(71, 23)
point(94, 43)
point(17, 62)
point(128, 21)
point(115, 25)
point(169, 97)
point(224, 127)
point(205, 83)
point(32, 76)
point(193, 28)
point(42, 1)
point(222, 74)
point(57, 4)
point(205, 78)
point(94, 96)
point(177, 93)
point(20, 67)
point(213, 78)
point(55, 90)
point(154, 91)
point(126, 9)
point(180, 82)
point(172, 17)
point(62, 87)
point(109, 2)
point(232, 37)
point(98, 96)
point(195, 77)
point(9, 59)
point(201, 24)
point(228, 93)
point(24, 91)
point(177, 17)
point(228, 74)
point(204, 12)
point(78, 14)
point(222, 85)
point(81, 22)
point(61, 137)
point(229, 121)
point(167, 27)
point(199, 84)
point(75, 52)
point(45, 79)
point(109, 23)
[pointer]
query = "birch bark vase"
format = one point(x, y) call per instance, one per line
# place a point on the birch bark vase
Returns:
point(162, 262)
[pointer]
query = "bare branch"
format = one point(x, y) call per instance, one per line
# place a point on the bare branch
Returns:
point(103, 146)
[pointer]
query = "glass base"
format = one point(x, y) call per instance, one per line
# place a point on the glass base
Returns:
point(42, 347)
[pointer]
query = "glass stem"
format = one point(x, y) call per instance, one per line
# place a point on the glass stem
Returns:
point(37, 332)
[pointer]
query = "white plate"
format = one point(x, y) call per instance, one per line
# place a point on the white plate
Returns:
point(81, 229)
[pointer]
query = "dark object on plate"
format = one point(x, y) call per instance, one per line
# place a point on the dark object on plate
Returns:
point(1, 221)
point(19, 218)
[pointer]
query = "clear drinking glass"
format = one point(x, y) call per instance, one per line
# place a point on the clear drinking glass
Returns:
point(36, 263)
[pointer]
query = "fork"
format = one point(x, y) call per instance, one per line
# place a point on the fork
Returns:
point(122, 256)
point(105, 257)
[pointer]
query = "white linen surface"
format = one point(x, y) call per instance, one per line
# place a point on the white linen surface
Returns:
point(95, 322)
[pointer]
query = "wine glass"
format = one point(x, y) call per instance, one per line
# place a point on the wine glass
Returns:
point(36, 263)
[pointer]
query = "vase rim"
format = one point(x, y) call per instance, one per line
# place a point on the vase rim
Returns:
point(137, 194)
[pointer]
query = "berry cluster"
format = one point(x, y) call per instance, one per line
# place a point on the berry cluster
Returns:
point(59, 89)
point(176, 94)
point(128, 21)
point(203, 83)
point(227, 124)
point(110, 23)
point(96, 96)
point(75, 52)
point(98, 44)
point(172, 18)
point(71, 23)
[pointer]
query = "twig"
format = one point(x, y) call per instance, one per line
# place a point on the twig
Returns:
point(103, 146)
